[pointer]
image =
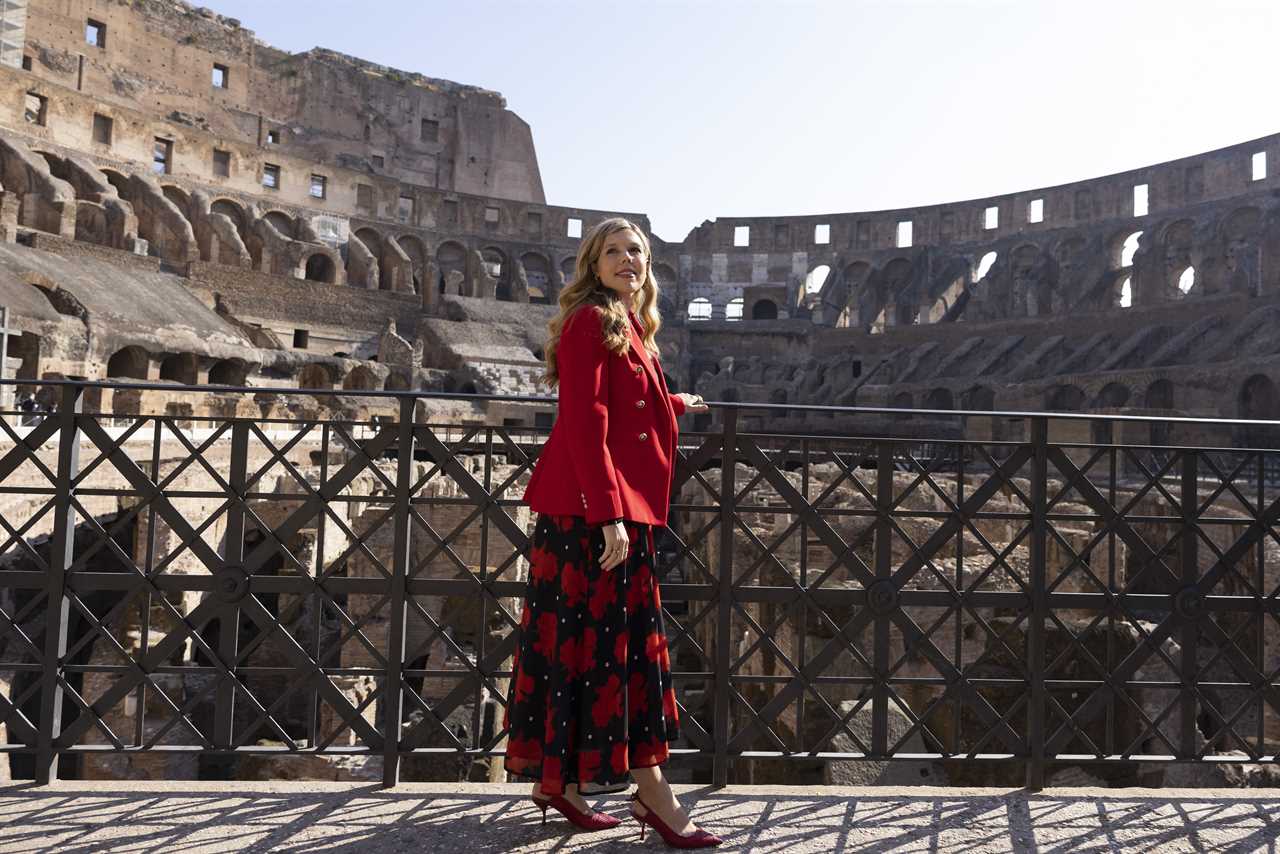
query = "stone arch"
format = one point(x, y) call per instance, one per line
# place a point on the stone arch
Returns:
point(360, 378)
point(901, 400)
point(1258, 400)
point(896, 282)
point(180, 368)
point(118, 180)
point(497, 266)
point(764, 309)
point(985, 263)
point(980, 398)
point(569, 268)
point(233, 372)
point(816, 278)
point(778, 397)
point(416, 250)
point(233, 211)
point(1070, 257)
point(1064, 398)
point(281, 222)
point(665, 275)
point(537, 271)
point(396, 381)
point(1122, 248)
point(451, 257)
point(179, 197)
point(1112, 396)
point(699, 309)
point(939, 398)
point(316, 376)
point(129, 362)
point(319, 267)
point(1242, 250)
point(1025, 282)
point(854, 279)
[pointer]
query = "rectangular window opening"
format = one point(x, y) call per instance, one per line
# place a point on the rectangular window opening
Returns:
point(273, 137)
point(162, 156)
point(364, 197)
point(822, 234)
point(300, 339)
point(221, 163)
point(221, 76)
point(533, 222)
point(1259, 166)
point(319, 186)
point(991, 218)
point(904, 234)
point(575, 228)
point(26, 63)
point(742, 235)
point(271, 176)
point(102, 127)
point(95, 33)
point(37, 111)
point(1035, 210)
point(430, 130)
point(1140, 199)
point(405, 208)
point(492, 215)
point(450, 212)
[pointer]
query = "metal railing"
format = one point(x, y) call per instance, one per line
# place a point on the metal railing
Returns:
point(179, 585)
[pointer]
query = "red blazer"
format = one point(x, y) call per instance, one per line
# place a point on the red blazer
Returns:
point(612, 450)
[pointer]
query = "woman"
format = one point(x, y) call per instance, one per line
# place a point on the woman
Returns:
point(591, 696)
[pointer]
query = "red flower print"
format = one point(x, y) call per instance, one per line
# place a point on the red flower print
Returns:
point(542, 565)
point(618, 758)
point(620, 648)
point(546, 643)
point(524, 684)
point(588, 764)
point(573, 581)
point(637, 696)
point(654, 645)
point(604, 595)
point(639, 589)
point(608, 704)
point(525, 748)
point(568, 654)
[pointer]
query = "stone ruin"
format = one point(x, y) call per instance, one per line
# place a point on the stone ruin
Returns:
point(183, 204)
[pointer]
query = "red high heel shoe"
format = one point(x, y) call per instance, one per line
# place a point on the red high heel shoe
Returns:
point(583, 820)
point(698, 839)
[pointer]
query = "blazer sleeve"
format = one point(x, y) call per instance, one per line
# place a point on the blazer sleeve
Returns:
point(583, 364)
point(677, 403)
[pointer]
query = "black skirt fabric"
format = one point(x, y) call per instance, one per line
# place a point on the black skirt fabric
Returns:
point(591, 694)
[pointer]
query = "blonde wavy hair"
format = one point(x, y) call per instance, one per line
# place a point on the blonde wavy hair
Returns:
point(586, 289)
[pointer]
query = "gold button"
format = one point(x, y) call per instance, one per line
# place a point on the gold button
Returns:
point(639, 404)
point(637, 369)
point(643, 437)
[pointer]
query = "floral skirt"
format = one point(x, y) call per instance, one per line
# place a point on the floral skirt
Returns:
point(591, 694)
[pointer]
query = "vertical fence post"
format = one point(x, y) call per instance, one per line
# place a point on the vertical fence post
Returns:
point(1039, 603)
point(883, 570)
point(1190, 605)
point(57, 607)
point(724, 611)
point(224, 703)
point(393, 696)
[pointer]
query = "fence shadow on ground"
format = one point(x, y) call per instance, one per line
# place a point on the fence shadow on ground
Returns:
point(77, 818)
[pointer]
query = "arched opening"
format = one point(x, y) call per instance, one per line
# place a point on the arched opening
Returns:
point(281, 222)
point(232, 211)
point(495, 264)
point(451, 257)
point(778, 397)
point(569, 267)
point(733, 309)
point(131, 362)
point(1159, 395)
point(979, 398)
point(320, 268)
point(229, 372)
point(315, 376)
point(1112, 396)
point(1126, 294)
point(939, 398)
point(179, 197)
point(764, 309)
point(699, 308)
point(396, 382)
point(984, 266)
point(901, 400)
point(1129, 248)
point(537, 272)
point(1064, 398)
point(664, 275)
point(1187, 280)
point(117, 180)
point(816, 279)
point(417, 252)
point(179, 368)
point(360, 379)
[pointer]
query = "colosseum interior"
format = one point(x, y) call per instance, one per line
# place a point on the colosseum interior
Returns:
point(183, 205)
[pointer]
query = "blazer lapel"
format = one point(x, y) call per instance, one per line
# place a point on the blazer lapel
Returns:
point(637, 345)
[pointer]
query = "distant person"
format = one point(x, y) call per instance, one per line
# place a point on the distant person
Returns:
point(591, 699)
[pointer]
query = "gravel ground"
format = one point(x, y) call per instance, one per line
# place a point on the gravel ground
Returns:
point(194, 818)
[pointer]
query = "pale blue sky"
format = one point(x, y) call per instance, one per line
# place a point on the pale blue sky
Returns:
point(693, 109)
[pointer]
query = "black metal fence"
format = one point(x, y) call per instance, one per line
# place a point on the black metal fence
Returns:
point(193, 589)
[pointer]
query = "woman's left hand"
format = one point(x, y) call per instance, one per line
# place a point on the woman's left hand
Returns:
point(693, 402)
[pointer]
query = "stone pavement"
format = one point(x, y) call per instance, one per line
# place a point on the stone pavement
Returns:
point(194, 818)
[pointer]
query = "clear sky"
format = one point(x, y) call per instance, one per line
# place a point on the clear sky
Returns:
point(693, 109)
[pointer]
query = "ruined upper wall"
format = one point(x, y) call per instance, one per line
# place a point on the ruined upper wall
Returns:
point(159, 57)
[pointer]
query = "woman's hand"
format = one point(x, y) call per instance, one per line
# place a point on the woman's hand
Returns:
point(616, 546)
point(693, 402)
